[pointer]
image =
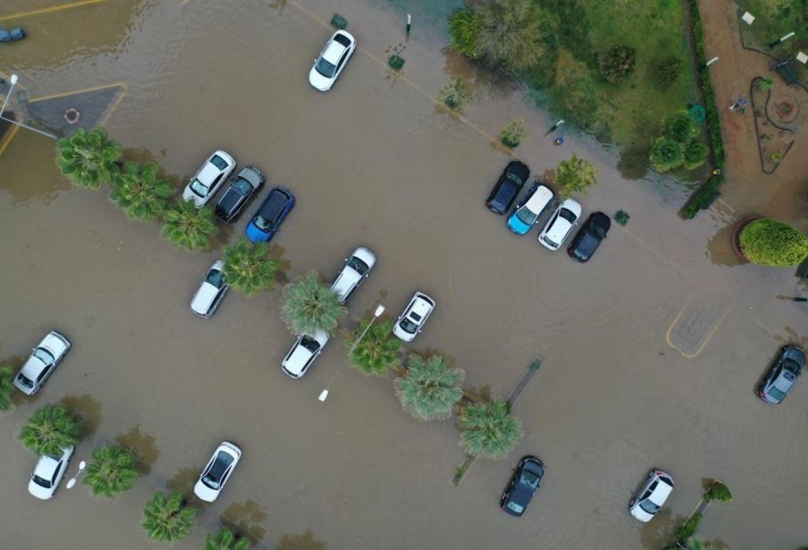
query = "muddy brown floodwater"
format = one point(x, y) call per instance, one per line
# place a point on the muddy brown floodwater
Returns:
point(651, 351)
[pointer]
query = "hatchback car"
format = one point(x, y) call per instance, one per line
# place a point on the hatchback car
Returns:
point(239, 193)
point(589, 237)
point(782, 375)
point(538, 199)
point(217, 472)
point(332, 60)
point(43, 361)
point(209, 178)
point(508, 187)
point(211, 292)
point(48, 473)
point(524, 483)
point(303, 353)
point(270, 215)
point(355, 270)
point(560, 224)
point(412, 320)
point(652, 496)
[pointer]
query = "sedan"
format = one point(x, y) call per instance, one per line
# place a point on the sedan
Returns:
point(217, 472)
point(782, 375)
point(332, 60)
point(355, 270)
point(239, 193)
point(270, 215)
point(525, 215)
point(508, 187)
point(43, 361)
point(524, 483)
point(211, 292)
point(412, 320)
point(48, 473)
point(560, 224)
point(589, 237)
point(303, 353)
point(209, 178)
point(652, 496)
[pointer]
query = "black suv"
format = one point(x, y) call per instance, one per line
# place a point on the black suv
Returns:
point(508, 186)
point(589, 237)
point(239, 193)
point(524, 482)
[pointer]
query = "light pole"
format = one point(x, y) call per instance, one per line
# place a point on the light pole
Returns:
point(14, 78)
point(13, 81)
point(73, 479)
point(376, 314)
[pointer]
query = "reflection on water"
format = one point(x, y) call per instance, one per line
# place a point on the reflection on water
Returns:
point(303, 541)
point(86, 411)
point(184, 481)
point(247, 519)
point(142, 446)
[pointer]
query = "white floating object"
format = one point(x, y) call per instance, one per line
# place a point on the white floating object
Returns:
point(323, 396)
point(802, 58)
point(748, 18)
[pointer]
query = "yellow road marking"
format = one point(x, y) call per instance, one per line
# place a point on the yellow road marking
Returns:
point(706, 340)
point(74, 92)
point(13, 132)
point(23, 72)
point(51, 9)
point(114, 106)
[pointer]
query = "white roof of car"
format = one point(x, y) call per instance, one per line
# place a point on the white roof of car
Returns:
point(34, 365)
point(300, 355)
point(45, 468)
point(540, 199)
point(333, 52)
point(560, 227)
point(348, 277)
point(201, 489)
point(207, 292)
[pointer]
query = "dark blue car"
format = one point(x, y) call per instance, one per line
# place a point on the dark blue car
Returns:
point(270, 215)
point(524, 482)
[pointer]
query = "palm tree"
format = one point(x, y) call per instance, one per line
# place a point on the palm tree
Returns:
point(247, 268)
point(50, 429)
point(225, 539)
point(140, 192)
point(309, 306)
point(112, 470)
point(488, 429)
point(167, 519)
point(6, 387)
point(430, 388)
point(378, 350)
point(88, 159)
point(185, 226)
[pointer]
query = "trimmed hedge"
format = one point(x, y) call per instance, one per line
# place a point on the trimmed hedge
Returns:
point(689, 528)
point(718, 492)
point(769, 242)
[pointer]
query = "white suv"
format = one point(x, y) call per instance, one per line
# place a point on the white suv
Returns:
point(412, 320)
point(355, 270)
point(211, 292)
point(303, 353)
point(209, 178)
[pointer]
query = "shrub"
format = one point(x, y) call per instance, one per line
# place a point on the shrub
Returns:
point(575, 175)
point(6, 387)
point(770, 242)
point(430, 388)
point(225, 539)
point(719, 492)
point(188, 227)
point(247, 268)
point(621, 217)
point(694, 155)
point(455, 94)
point(378, 350)
point(513, 133)
point(617, 63)
point(395, 61)
point(168, 519)
point(338, 21)
point(488, 429)
point(464, 28)
point(140, 192)
point(88, 159)
point(689, 528)
point(667, 72)
point(680, 127)
point(703, 196)
point(309, 306)
point(666, 154)
point(112, 470)
point(50, 429)
point(765, 84)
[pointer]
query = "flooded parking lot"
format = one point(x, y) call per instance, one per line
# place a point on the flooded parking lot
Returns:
point(651, 351)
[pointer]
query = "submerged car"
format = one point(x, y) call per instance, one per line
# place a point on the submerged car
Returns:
point(303, 353)
point(782, 375)
point(652, 496)
point(239, 193)
point(217, 472)
point(412, 320)
point(270, 215)
point(538, 199)
point(42, 362)
point(355, 270)
point(209, 178)
point(524, 483)
point(589, 237)
point(211, 292)
point(508, 187)
point(48, 473)
point(560, 224)
point(332, 60)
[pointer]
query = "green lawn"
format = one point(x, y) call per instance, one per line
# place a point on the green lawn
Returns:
point(775, 19)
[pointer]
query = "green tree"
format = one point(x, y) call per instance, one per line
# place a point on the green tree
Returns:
point(575, 175)
point(112, 471)
point(668, 71)
point(140, 192)
point(504, 33)
point(718, 491)
point(187, 227)
point(167, 519)
point(680, 127)
point(770, 242)
point(766, 84)
point(248, 269)
point(378, 350)
point(309, 306)
point(488, 429)
point(616, 63)
point(225, 539)
point(429, 389)
point(666, 154)
point(695, 154)
point(456, 94)
point(6, 387)
point(88, 159)
point(50, 429)
point(513, 133)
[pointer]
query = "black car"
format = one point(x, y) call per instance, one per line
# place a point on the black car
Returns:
point(524, 482)
point(782, 375)
point(239, 193)
point(508, 186)
point(589, 237)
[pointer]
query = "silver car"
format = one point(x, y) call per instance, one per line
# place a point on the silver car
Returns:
point(42, 362)
point(211, 292)
point(355, 270)
point(209, 178)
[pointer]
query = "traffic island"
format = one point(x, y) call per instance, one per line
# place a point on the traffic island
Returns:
point(685, 536)
point(65, 113)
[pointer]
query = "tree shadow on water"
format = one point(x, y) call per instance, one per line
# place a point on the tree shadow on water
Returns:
point(303, 541)
point(142, 446)
point(656, 534)
point(86, 411)
point(246, 518)
point(184, 481)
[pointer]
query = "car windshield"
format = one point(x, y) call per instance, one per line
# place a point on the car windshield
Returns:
point(516, 507)
point(242, 185)
point(22, 379)
point(529, 478)
point(262, 223)
point(526, 216)
point(567, 215)
point(791, 365)
point(776, 394)
point(408, 326)
point(44, 355)
point(550, 241)
point(325, 68)
point(358, 265)
point(514, 178)
point(213, 478)
point(218, 162)
point(309, 343)
point(649, 507)
point(42, 482)
point(215, 277)
point(199, 188)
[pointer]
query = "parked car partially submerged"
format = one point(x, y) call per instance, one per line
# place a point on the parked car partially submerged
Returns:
point(508, 187)
point(42, 363)
point(48, 474)
point(239, 193)
point(589, 237)
point(270, 215)
point(303, 353)
point(353, 273)
point(412, 320)
point(211, 292)
point(524, 483)
point(527, 214)
point(782, 375)
point(560, 224)
point(652, 496)
point(209, 178)
point(332, 60)
point(217, 472)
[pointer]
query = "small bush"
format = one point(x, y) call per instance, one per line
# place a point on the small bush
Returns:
point(513, 133)
point(395, 61)
point(666, 154)
point(621, 217)
point(689, 528)
point(765, 84)
point(456, 94)
point(667, 72)
point(339, 22)
point(719, 492)
point(702, 197)
point(680, 127)
point(617, 63)
point(695, 154)
point(770, 242)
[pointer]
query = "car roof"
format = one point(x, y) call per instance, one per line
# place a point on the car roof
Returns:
point(661, 492)
point(274, 203)
point(300, 356)
point(365, 255)
point(519, 168)
point(46, 467)
point(32, 367)
point(346, 279)
point(251, 174)
point(539, 200)
point(600, 219)
point(421, 304)
point(333, 51)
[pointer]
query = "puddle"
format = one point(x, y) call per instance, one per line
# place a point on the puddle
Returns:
point(247, 519)
point(86, 410)
point(142, 446)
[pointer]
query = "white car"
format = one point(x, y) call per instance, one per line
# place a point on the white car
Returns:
point(48, 473)
point(560, 224)
point(209, 178)
point(217, 472)
point(412, 320)
point(356, 269)
point(211, 292)
point(42, 362)
point(527, 214)
point(303, 353)
point(651, 496)
point(332, 60)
